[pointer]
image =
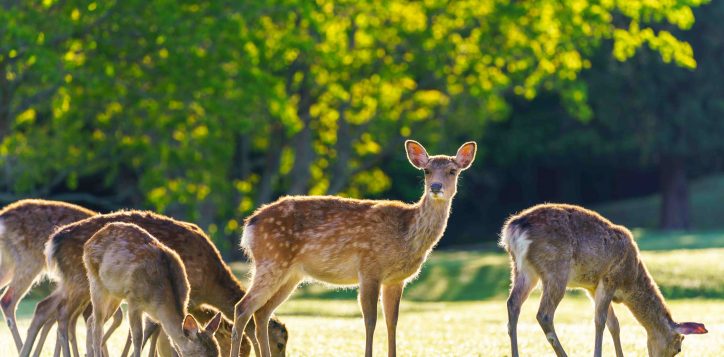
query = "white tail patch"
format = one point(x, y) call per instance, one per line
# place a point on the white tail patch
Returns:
point(515, 240)
point(247, 237)
point(49, 261)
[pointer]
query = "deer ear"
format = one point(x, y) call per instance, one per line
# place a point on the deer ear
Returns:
point(190, 326)
point(416, 154)
point(466, 154)
point(691, 328)
point(213, 325)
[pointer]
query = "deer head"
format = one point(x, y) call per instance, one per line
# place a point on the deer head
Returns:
point(200, 341)
point(441, 171)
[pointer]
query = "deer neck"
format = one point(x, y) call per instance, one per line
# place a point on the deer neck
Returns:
point(226, 293)
point(647, 305)
point(172, 326)
point(428, 223)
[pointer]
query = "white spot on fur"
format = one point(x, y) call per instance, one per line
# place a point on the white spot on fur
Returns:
point(247, 237)
point(551, 336)
point(516, 241)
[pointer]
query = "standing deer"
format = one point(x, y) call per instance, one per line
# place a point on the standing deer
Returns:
point(125, 262)
point(24, 228)
point(211, 280)
point(570, 246)
point(376, 244)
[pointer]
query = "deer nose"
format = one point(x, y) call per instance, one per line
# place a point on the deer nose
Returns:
point(436, 187)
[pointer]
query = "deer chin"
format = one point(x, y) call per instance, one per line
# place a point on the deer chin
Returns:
point(440, 196)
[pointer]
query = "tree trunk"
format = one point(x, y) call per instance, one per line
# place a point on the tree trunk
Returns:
point(271, 168)
point(674, 194)
point(300, 175)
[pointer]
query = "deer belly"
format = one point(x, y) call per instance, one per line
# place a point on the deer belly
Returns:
point(584, 277)
point(337, 270)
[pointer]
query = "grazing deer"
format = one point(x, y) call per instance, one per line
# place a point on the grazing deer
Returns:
point(376, 244)
point(212, 282)
point(223, 334)
point(24, 228)
point(570, 246)
point(125, 262)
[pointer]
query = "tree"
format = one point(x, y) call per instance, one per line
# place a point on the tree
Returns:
point(670, 115)
point(207, 110)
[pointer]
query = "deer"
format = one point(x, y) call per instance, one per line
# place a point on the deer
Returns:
point(570, 246)
point(378, 245)
point(212, 282)
point(24, 228)
point(203, 314)
point(124, 262)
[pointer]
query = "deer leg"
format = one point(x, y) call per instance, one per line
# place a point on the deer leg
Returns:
point(164, 346)
point(103, 307)
point(369, 294)
point(43, 335)
point(45, 313)
point(135, 319)
point(391, 295)
point(65, 313)
point(613, 328)
point(71, 331)
point(116, 322)
point(19, 286)
point(127, 345)
point(56, 350)
point(153, 344)
point(553, 291)
point(261, 316)
point(267, 280)
point(523, 283)
point(602, 300)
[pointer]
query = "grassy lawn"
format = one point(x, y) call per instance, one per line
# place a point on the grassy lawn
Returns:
point(334, 328)
point(707, 193)
point(457, 308)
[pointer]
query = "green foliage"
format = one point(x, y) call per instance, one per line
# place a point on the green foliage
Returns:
point(206, 110)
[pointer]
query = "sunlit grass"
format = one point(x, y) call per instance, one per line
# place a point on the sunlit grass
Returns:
point(335, 328)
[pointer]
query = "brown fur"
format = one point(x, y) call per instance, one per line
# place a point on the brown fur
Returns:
point(223, 335)
point(211, 279)
point(24, 228)
point(376, 244)
point(570, 246)
point(124, 262)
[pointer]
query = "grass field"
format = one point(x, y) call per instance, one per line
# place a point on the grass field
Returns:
point(457, 308)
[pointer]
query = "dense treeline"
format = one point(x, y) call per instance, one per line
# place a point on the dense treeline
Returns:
point(207, 110)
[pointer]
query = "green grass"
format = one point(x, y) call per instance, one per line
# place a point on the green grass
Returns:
point(707, 194)
point(334, 328)
point(457, 307)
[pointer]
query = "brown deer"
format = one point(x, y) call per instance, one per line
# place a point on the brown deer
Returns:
point(376, 244)
point(223, 334)
point(212, 282)
point(24, 228)
point(570, 246)
point(125, 262)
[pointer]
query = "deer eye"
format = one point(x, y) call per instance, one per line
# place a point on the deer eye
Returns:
point(427, 172)
point(452, 172)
